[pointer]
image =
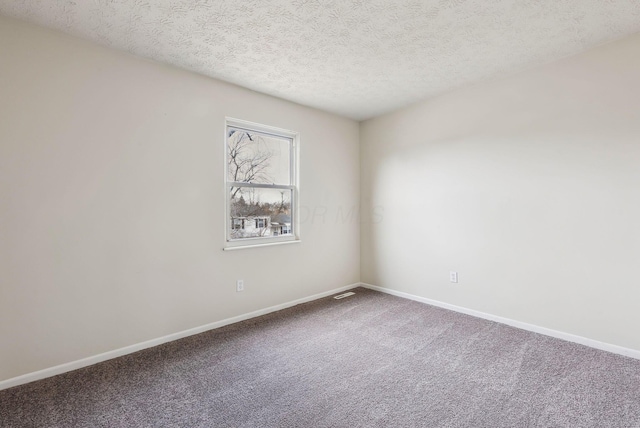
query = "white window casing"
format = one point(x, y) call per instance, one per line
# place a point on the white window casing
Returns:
point(261, 185)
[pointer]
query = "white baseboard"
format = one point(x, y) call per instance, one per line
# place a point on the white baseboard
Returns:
point(627, 352)
point(78, 364)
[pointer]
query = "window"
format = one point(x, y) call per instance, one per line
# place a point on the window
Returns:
point(284, 229)
point(261, 184)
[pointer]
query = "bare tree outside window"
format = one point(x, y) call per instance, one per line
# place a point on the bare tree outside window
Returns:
point(248, 161)
point(260, 184)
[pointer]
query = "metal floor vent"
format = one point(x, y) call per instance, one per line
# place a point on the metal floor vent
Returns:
point(343, 295)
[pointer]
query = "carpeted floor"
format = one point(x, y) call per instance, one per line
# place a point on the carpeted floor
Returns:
point(370, 360)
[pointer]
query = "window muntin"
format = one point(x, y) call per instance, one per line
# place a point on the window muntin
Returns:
point(261, 184)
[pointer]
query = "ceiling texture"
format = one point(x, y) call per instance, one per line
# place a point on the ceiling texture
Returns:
point(356, 58)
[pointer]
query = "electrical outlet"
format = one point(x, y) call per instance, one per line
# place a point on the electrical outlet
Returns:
point(239, 285)
point(453, 276)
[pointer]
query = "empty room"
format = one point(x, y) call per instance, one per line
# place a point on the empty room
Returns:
point(320, 213)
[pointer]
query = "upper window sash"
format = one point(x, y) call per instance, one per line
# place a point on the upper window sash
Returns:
point(258, 157)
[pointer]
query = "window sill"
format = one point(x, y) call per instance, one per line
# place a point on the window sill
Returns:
point(266, 244)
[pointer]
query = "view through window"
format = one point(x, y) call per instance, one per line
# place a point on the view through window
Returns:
point(261, 184)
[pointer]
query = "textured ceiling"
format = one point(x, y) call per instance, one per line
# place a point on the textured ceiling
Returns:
point(357, 58)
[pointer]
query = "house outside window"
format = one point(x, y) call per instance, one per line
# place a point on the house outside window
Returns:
point(281, 225)
point(261, 184)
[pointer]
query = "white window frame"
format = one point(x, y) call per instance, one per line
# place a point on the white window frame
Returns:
point(293, 186)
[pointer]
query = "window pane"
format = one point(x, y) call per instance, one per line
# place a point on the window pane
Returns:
point(257, 212)
point(258, 158)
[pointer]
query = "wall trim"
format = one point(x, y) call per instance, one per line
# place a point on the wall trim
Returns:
point(84, 362)
point(627, 352)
